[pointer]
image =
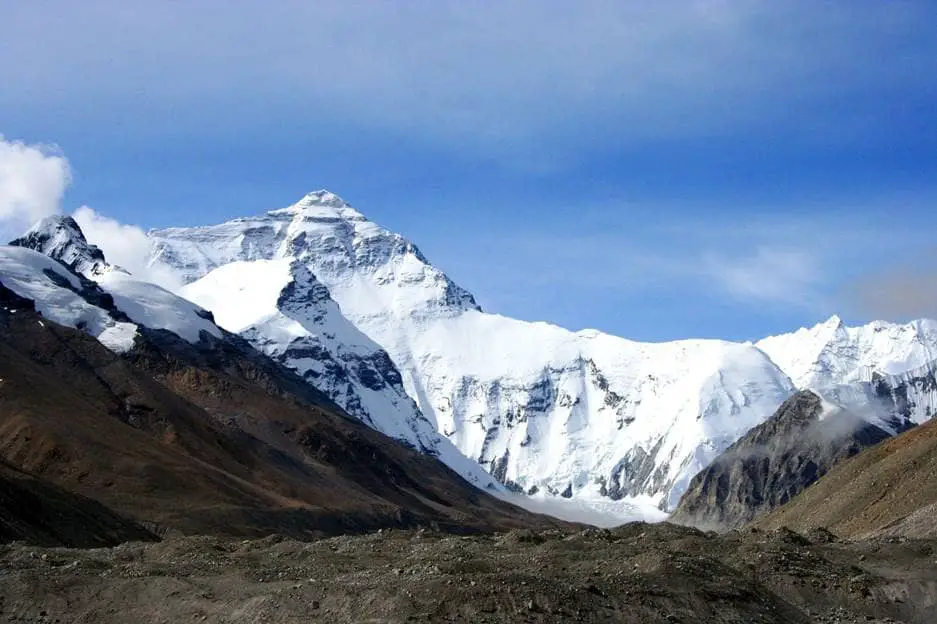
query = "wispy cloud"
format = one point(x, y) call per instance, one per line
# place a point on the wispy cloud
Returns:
point(758, 261)
point(33, 179)
point(768, 275)
point(506, 76)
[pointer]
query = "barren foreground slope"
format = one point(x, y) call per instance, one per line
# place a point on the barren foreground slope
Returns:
point(638, 573)
point(889, 488)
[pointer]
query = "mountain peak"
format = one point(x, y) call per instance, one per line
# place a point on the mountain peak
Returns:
point(323, 197)
point(321, 204)
point(829, 327)
point(57, 223)
point(60, 237)
point(833, 321)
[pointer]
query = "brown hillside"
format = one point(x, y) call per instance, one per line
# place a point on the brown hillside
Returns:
point(883, 489)
point(42, 514)
point(223, 447)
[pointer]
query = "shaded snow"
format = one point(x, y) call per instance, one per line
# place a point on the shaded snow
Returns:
point(602, 513)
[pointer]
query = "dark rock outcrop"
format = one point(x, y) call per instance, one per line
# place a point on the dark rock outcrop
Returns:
point(888, 490)
point(59, 237)
point(775, 461)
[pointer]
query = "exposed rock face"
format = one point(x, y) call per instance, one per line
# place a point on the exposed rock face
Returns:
point(775, 461)
point(59, 237)
point(890, 488)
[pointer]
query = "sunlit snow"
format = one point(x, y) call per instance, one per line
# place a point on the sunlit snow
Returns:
point(26, 272)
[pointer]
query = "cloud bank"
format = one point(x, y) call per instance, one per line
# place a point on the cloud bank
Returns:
point(127, 246)
point(791, 276)
point(33, 179)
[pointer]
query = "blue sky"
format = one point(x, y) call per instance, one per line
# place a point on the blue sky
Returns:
point(656, 170)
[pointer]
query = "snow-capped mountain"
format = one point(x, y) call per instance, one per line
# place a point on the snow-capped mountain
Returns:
point(60, 237)
point(282, 309)
point(362, 315)
point(583, 415)
point(864, 368)
point(94, 296)
point(831, 353)
point(60, 296)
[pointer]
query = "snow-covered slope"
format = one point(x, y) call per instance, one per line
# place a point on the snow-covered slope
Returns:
point(831, 353)
point(157, 308)
point(32, 262)
point(583, 415)
point(58, 296)
point(912, 392)
point(910, 395)
point(284, 311)
point(879, 369)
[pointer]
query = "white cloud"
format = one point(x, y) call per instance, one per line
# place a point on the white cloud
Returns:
point(768, 275)
point(127, 246)
point(33, 179)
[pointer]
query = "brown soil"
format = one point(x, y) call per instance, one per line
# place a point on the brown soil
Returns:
point(637, 574)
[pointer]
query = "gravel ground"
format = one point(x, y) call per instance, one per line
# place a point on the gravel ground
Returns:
point(636, 573)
